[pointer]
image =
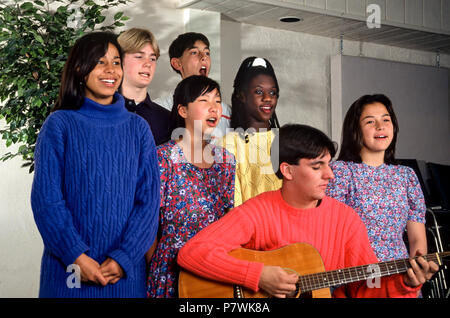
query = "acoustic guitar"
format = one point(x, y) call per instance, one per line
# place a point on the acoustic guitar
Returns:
point(300, 258)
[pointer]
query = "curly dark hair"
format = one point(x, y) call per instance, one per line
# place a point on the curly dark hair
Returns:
point(246, 72)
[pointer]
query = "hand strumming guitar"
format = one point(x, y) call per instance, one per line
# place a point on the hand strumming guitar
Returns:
point(277, 282)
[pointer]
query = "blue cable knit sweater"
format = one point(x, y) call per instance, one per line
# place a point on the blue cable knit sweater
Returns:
point(95, 191)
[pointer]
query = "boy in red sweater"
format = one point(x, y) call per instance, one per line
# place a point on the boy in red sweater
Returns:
point(298, 212)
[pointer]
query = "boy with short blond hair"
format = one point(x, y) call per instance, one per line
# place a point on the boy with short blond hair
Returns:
point(141, 51)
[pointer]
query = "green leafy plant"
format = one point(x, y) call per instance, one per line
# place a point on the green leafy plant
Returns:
point(35, 39)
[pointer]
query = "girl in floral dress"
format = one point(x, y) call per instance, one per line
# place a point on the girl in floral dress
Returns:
point(387, 196)
point(197, 179)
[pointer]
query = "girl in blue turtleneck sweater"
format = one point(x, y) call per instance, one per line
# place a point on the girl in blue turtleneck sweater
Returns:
point(95, 194)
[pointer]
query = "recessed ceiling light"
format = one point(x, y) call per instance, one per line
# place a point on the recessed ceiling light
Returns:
point(290, 19)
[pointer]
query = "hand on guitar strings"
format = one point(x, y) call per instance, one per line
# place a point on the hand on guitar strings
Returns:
point(277, 282)
point(420, 271)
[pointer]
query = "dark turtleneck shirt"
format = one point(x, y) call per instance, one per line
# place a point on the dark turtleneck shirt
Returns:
point(156, 116)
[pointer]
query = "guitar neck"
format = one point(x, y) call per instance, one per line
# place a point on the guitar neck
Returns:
point(353, 274)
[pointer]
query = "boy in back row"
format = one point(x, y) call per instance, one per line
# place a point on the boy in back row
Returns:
point(190, 55)
point(141, 52)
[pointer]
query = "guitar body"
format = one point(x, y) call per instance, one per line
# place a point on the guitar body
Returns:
point(299, 258)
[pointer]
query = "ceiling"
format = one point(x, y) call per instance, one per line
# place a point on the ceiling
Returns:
point(318, 23)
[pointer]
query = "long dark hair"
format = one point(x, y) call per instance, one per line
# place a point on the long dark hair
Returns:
point(83, 58)
point(187, 91)
point(247, 71)
point(352, 138)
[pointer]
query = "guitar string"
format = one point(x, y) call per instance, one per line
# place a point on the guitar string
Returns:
point(321, 280)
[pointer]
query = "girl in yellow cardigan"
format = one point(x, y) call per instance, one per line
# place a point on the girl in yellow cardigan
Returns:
point(253, 120)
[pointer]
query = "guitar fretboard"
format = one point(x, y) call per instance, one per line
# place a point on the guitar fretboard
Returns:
point(353, 274)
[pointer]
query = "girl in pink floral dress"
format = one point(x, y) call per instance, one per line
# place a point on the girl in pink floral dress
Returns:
point(197, 179)
point(387, 196)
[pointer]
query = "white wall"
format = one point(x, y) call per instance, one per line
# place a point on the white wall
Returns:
point(165, 22)
point(416, 92)
point(302, 64)
point(20, 242)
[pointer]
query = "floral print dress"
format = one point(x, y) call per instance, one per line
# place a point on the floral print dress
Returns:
point(385, 197)
point(191, 199)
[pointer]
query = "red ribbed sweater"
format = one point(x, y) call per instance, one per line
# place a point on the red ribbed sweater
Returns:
point(267, 222)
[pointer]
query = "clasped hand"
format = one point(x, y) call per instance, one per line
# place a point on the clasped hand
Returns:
point(109, 272)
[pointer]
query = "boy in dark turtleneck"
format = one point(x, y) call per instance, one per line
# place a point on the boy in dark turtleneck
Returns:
point(141, 52)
